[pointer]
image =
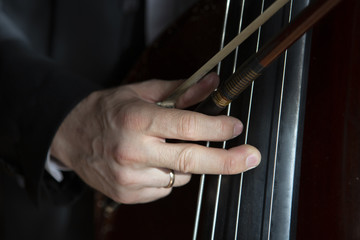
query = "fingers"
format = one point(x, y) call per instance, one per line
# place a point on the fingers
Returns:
point(179, 178)
point(155, 90)
point(146, 185)
point(149, 177)
point(140, 196)
point(199, 91)
point(192, 126)
point(133, 133)
point(158, 90)
point(193, 158)
point(179, 124)
point(151, 120)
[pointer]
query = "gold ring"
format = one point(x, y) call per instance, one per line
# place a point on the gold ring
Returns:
point(172, 179)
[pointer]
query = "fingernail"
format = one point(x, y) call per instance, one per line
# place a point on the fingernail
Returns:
point(252, 161)
point(237, 129)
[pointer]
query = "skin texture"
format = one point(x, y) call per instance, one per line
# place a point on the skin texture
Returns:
point(115, 140)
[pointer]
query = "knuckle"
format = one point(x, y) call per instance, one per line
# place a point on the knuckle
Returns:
point(186, 161)
point(125, 155)
point(229, 166)
point(117, 197)
point(115, 194)
point(220, 124)
point(187, 126)
point(129, 118)
point(124, 198)
point(128, 199)
point(166, 193)
point(121, 154)
point(124, 179)
point(161, 194)
point(186, 180)
point(224, 129)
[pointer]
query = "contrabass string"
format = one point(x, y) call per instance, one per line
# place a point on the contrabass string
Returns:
point(203, 176)
point(202, 180)
point(218, 188)
point(241, 175)
point(278, 130)
point(225, 94)
point(247, 128)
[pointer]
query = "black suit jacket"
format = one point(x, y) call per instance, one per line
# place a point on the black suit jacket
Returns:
point(53, 53)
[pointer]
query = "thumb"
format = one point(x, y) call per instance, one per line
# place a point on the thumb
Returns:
point(156, 90)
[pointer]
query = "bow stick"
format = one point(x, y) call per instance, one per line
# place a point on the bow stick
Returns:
point(253, 67)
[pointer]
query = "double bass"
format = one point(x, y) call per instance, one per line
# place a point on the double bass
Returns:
point(302, 114)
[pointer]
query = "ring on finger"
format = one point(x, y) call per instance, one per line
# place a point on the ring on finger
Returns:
point(172, 179)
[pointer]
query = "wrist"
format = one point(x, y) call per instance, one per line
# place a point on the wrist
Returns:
point(72, 141)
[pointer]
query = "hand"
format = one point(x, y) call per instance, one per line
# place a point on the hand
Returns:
point(115, 140)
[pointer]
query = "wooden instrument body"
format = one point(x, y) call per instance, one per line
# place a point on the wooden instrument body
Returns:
point(303, 117)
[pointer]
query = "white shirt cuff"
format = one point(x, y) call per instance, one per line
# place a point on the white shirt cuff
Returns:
point(55, 168)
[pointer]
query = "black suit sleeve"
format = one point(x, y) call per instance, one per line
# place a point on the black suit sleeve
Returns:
point(35, 96)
